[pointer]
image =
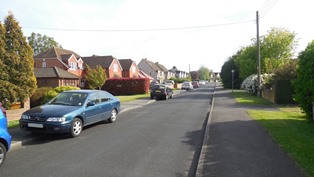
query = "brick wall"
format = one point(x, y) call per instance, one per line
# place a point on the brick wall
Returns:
point(15, 114)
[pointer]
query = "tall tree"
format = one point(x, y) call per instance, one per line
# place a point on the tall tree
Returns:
point(40, 43)
point(19, 63)
point(304, 84)
point(96, 77)
point(204, 73)
point(7, 89)
point(226, 74)
point(277, 46)
point(246, 61)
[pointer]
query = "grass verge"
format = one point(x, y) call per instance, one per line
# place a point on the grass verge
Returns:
point(126, 98)
point(292, 132)
point(246, 98)
point(13, 123)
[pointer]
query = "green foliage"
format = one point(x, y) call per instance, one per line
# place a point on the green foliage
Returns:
point(54, 92)
point(180, 80)
point(41, 43)
point(287, 71)
point(96, 77)
point(39, 96)
point(276, 47)
point(226, 74)
point(204, 73)
point(17, 64)
point(246, 61)
point(304, 84)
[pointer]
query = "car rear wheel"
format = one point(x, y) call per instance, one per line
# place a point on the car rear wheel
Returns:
point(3, 154)
point(77, 127)
point(113, 116)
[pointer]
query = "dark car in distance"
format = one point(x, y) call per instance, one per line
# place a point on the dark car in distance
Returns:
point(70, 111)
point(161, 91)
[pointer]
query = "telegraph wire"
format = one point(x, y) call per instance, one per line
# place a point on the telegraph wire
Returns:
point(140, 30)
point(267, 6)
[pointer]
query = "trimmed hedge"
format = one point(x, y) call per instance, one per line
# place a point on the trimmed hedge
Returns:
point(127, 86)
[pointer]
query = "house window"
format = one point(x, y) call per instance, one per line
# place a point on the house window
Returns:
point(115, 67)
point(80, 66)
point(44, 65)
point(73, 65)
point(133, 69)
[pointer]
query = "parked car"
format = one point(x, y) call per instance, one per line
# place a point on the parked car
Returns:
point(169, 82)
point(161, 91)
point(70, 111)
point(5, 138)
point(202, 82)
point(152, 83)
point(195, 84)
point(187, 86)
point(3, 110)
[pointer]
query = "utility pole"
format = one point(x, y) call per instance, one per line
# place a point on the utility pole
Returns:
point(258, 55)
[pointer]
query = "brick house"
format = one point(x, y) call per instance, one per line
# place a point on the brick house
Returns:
point(130, 69)
point(54, 77)
point(152, 70)
point(61, 58)
point(109, 63)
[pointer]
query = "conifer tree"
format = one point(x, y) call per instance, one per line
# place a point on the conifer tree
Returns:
point(19, 78)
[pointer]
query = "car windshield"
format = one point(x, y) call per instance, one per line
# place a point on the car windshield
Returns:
point(159, 87)
point(69, 98)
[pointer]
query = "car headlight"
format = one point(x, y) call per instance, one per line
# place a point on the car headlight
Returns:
point(25, 116)
point(56, 119)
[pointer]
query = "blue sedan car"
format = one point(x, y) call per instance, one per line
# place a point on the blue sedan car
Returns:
point(5, 138)
point(70, 111)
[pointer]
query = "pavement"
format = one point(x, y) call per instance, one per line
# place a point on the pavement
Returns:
point(233, 144)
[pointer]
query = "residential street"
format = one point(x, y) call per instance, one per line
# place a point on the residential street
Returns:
point(162, 139)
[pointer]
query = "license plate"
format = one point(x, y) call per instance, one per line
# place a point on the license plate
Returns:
point(157, 91)
point(35, 125)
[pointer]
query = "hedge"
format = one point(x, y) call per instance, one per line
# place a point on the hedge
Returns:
point(127, 86)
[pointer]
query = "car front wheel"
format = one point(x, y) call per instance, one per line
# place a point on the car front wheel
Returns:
point(76, 127)
point(113, 116)
point(3, 154)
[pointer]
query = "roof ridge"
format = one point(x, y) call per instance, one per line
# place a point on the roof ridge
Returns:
point(56, 71)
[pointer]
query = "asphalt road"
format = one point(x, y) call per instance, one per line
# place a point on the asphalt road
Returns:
point(161, 139)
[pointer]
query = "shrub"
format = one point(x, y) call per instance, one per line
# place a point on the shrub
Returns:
point(304, 84)
point(127, 86)
point(250, 84)
point(38, 97)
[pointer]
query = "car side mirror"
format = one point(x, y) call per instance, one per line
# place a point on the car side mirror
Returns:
point(91, 103)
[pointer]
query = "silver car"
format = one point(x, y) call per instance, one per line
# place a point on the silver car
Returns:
point(187, 86)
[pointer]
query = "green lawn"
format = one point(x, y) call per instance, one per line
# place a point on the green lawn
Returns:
point(126, 98)
point(245, 98)
point(288, 127)
point(13, 123)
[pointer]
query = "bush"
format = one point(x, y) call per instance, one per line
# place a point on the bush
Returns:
point(250, 84)
point(179, 80)
point(304, 84)
point(127, 86)
point(54, 92)
point(38, 97)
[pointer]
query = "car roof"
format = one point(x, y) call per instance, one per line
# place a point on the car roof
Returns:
point(84, 91)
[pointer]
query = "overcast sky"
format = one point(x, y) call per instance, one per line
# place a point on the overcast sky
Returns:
point(182, 33)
